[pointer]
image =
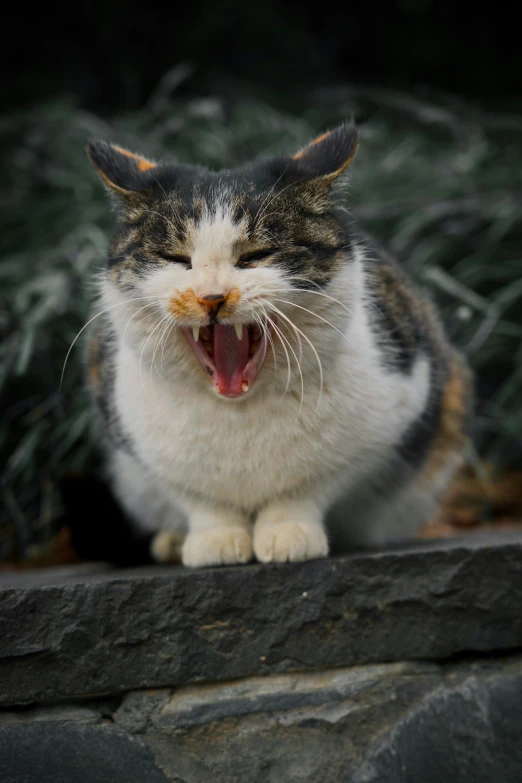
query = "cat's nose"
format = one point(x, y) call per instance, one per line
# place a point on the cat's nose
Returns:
point(212, 302)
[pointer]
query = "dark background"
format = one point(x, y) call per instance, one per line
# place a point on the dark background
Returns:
point(109, 55)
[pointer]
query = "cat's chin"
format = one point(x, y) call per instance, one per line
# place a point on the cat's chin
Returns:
point(231, 355)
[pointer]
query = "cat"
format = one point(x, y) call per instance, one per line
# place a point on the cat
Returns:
point(269, 383)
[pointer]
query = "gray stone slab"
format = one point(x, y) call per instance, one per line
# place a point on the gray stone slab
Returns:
point(402, 722)
point(74, 752)
point(59, 575)
point(395, 723)
point(59, 713)
point(109, 632)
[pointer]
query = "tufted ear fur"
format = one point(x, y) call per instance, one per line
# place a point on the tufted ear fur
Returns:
point(329, 155)
point(123, 172)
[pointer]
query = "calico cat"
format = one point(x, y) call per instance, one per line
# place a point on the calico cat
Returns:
point(269, 382)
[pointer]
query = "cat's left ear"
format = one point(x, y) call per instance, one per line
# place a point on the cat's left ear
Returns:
point(329, 155)
point(124, 173)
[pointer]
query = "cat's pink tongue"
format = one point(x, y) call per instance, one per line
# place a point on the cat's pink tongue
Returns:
point(230, 359)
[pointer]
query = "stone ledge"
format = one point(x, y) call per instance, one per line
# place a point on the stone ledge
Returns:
point(98, 631)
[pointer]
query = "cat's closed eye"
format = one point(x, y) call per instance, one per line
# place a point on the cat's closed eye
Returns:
point(177, 258)
point(250, 259)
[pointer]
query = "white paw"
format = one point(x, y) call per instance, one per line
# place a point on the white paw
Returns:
point(166, 547)
point(217, 546)
point(289, 541)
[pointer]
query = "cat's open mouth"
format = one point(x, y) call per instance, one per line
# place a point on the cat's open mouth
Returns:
point(231, 355)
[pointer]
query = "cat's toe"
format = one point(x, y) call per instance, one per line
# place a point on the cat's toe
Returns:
point(290, 541)
point(166, 547)
point(219, 546)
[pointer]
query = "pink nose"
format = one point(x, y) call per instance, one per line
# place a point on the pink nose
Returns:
point(212, 302)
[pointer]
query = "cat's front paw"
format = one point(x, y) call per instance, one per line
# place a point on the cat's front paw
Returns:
point(166, 547)
point(217, 546)
point(290, 541)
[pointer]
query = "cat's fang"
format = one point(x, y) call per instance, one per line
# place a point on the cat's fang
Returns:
point(232, 363)
point(195, 332)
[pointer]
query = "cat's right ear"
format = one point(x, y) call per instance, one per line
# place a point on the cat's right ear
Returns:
point(125, 174)
point(330, 154)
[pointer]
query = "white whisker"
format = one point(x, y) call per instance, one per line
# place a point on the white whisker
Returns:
point(283, 340)
point(292, 290)
point(174, 324)
point(118, 304)
point(156, 180)
point(272, 237)
point(144, 346)
point(276, 196)
point(287, 341)
point(319, 364)
point(166, 320)
point(149, 304)
point(295, 337)
point(293, 304)
point(257, 217)
point(266, 335)
point(154, 212)
point(171, 204)
point(270, 214)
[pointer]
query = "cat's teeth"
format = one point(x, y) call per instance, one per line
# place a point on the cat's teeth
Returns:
point(239, 331)
point(195, 332)
point(244, 386)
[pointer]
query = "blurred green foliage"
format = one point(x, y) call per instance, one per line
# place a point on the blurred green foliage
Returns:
point(439, 183)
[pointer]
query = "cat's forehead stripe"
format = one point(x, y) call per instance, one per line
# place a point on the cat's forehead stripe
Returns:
point(216, 232)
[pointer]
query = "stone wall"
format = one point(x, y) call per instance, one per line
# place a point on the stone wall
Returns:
point(390, 667)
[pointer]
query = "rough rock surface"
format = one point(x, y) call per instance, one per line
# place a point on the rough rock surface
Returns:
point(106, 632)
point(74, 752)
point(390, 723)
point(393, 723)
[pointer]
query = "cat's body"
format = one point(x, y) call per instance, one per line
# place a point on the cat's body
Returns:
point(354, 429)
